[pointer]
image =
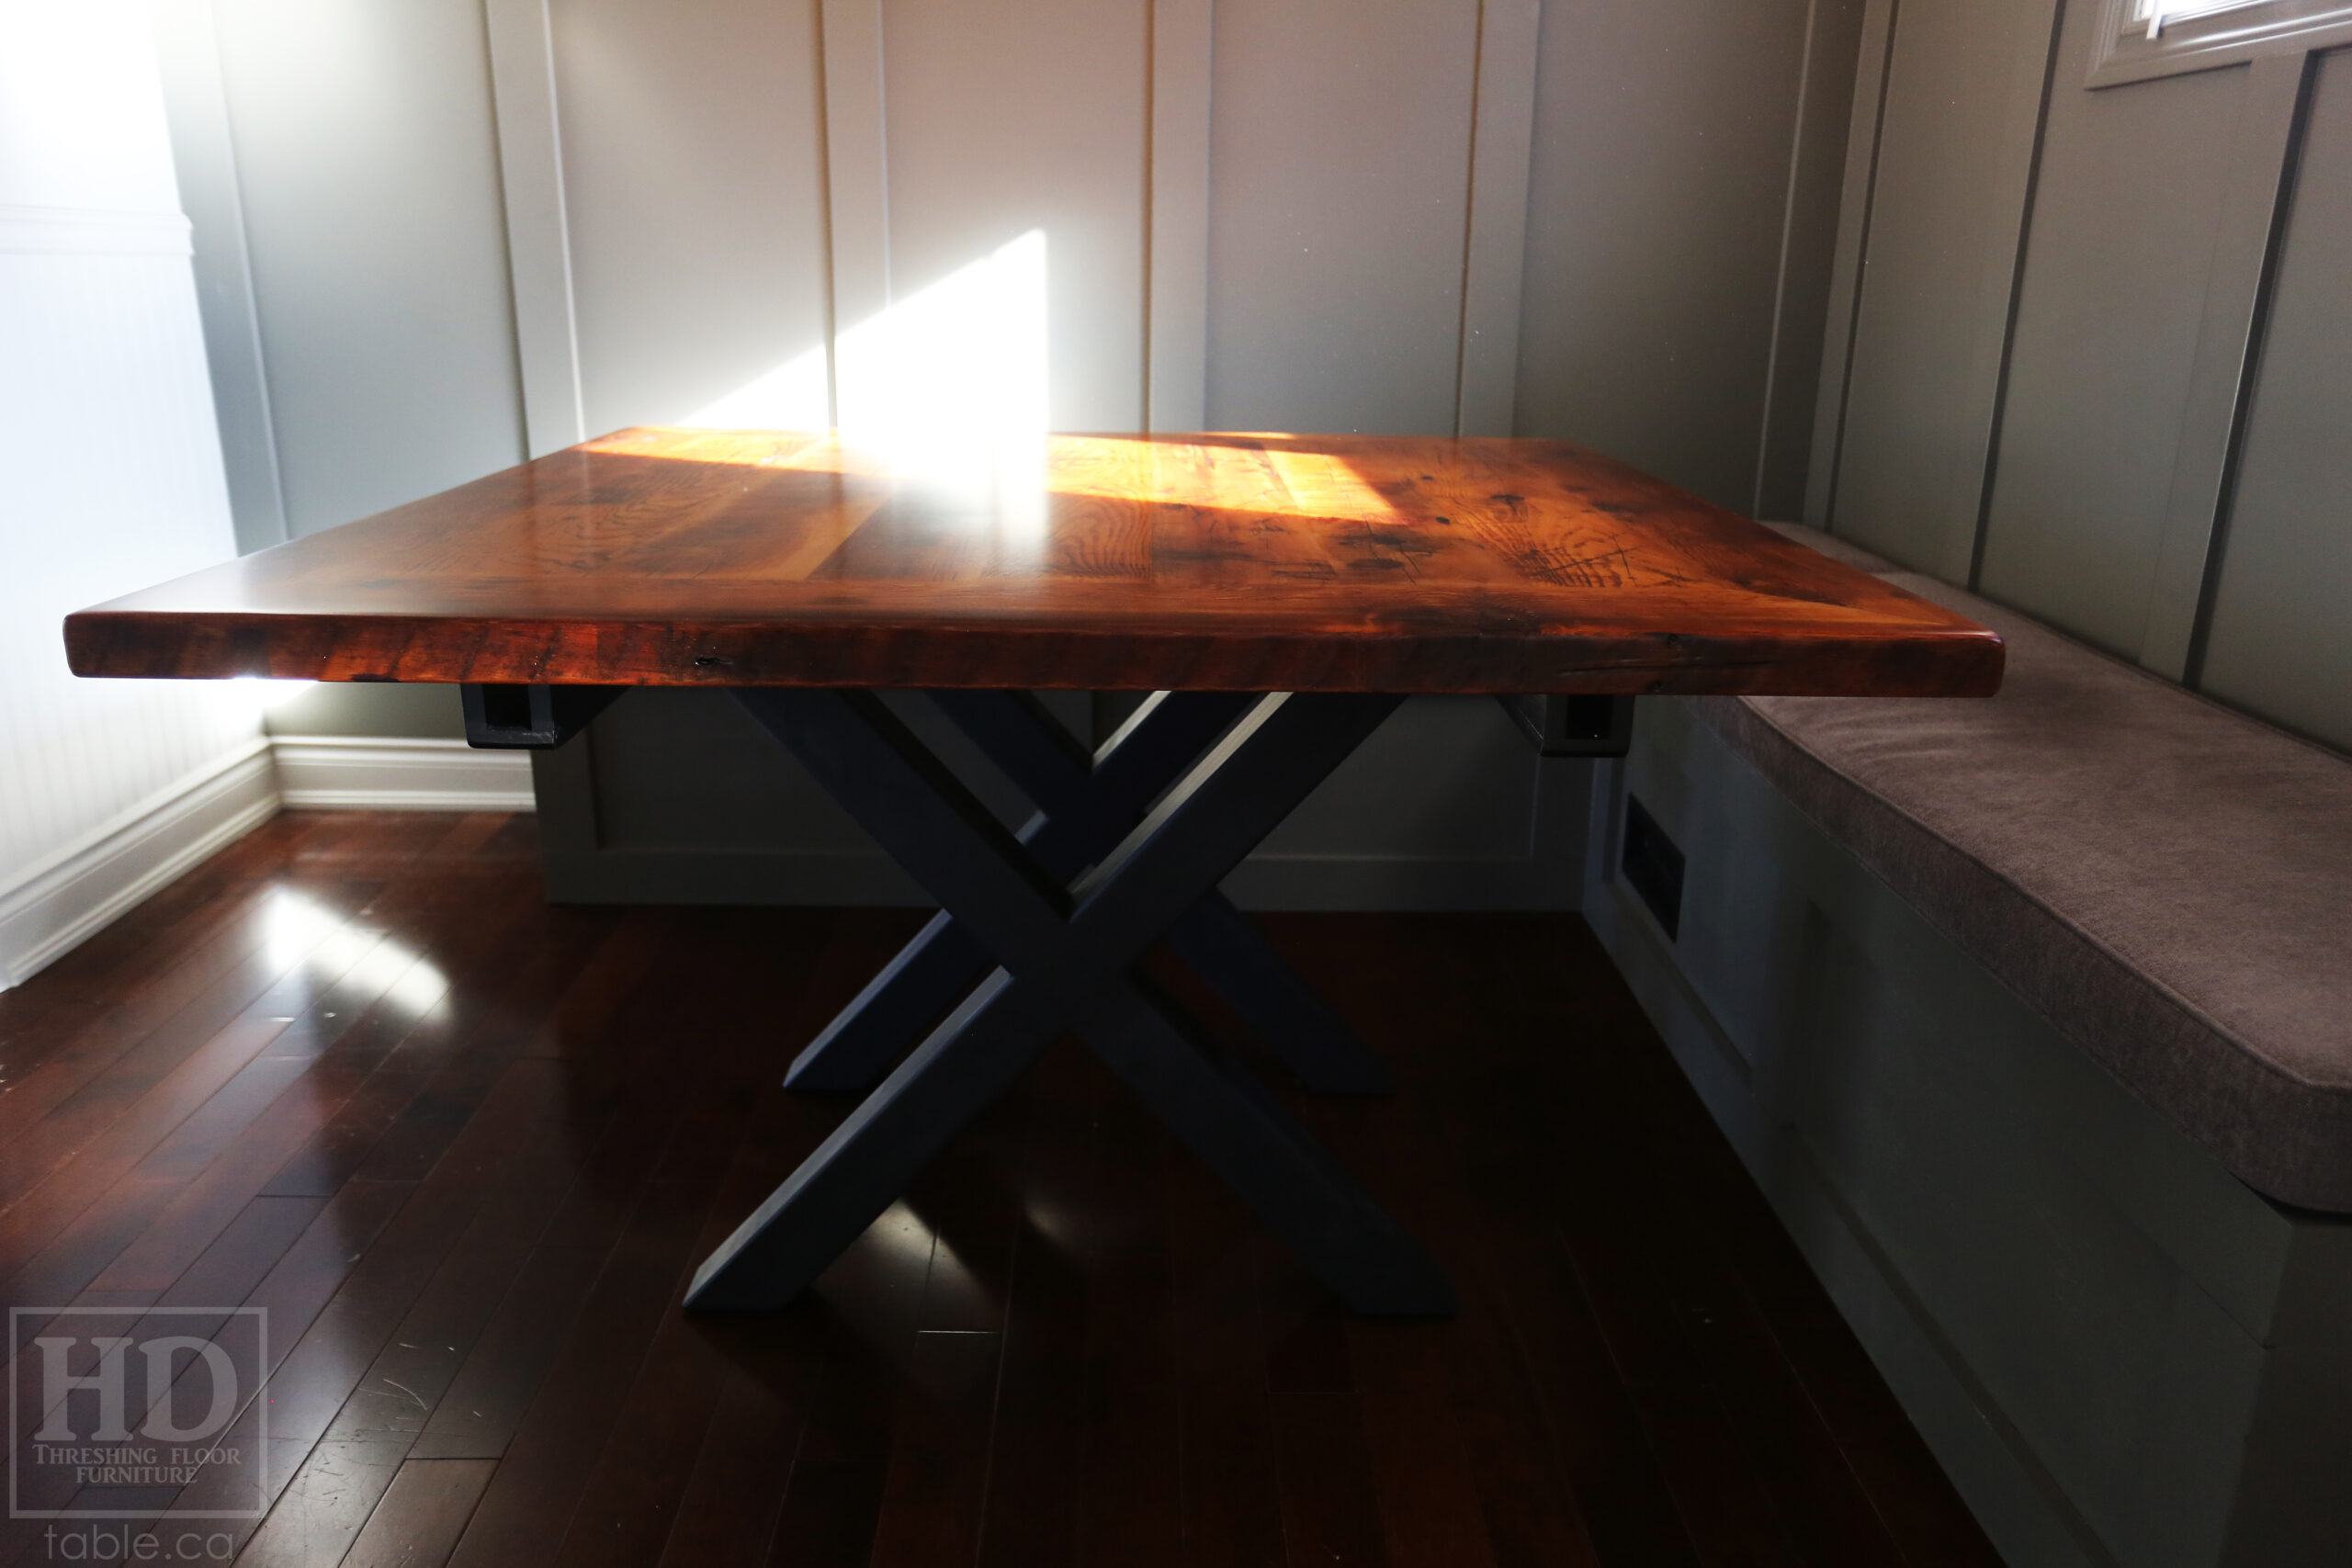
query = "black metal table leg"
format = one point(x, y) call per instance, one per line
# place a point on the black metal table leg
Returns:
point(871, 1157)
point(945, 961)
point(1087, 803)
point(1064, 956)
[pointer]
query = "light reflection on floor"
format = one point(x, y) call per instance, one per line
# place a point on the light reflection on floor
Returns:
point(298, 930)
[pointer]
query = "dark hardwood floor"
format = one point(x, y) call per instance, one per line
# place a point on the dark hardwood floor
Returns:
point(465, 1149)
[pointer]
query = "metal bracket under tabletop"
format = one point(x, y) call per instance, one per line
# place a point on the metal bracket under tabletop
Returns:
point(508, 718)
point(1573, 725)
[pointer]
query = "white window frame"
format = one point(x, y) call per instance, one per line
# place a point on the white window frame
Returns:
point(2140, 40)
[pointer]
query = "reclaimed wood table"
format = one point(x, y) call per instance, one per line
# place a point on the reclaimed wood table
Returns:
point(1278, 595)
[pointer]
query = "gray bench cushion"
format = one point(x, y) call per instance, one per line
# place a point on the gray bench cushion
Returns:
point(2168, 882)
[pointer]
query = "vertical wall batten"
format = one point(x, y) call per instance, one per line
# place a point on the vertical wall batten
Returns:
point(857, 162)
point(1866, 135)
point(1806, 86)
point(530, 156)
point(1796, 365)
point(2265, 155)
point(2016, 293)
point(1495, 228)
point(1469, 214)
point(1143, 236)
point(1176, 208)
point(828, 290)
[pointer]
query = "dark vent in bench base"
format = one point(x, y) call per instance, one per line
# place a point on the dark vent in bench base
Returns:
point(1653, 867)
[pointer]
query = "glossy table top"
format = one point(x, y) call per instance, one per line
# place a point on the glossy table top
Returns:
point(659, 557)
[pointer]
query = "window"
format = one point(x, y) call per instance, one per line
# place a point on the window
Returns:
point(2156, 13)
point(2142, 38)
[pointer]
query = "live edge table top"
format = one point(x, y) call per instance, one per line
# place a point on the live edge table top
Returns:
point(1231, 562)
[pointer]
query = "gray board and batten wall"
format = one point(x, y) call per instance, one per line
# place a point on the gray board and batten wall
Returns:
point(437, 236)
point(2090, 346)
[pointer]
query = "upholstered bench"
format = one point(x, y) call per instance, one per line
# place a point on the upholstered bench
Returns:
point(2034, 1017)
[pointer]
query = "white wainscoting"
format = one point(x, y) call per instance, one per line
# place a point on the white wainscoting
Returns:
point(113, 483)
point(398, 773)
point(109, 789)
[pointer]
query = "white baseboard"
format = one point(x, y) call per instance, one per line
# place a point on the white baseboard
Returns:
point(68, 896)
point(391, 773)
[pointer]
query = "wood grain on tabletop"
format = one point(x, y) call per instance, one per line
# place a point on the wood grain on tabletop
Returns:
point(1245, 562)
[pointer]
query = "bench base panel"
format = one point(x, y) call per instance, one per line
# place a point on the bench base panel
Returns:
point(2119, 1352)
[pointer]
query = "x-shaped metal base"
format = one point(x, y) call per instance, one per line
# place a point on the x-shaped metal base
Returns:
point(1087, 803)
point(1065, 954)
